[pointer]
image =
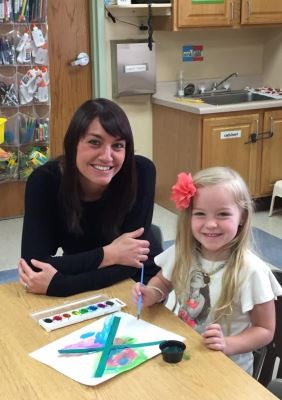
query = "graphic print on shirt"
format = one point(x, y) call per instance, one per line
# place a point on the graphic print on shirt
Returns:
point(195, 308)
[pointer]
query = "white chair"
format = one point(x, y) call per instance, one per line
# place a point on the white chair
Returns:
point(277, 191)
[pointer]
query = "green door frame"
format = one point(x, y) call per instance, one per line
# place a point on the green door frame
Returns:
point(98, 50)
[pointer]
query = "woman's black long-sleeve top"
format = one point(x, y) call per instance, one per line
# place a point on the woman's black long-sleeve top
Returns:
point(45, 231)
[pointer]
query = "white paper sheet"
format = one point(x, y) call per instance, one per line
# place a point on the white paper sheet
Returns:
point(82, 367)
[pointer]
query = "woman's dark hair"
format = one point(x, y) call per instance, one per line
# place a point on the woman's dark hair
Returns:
point(120, 195)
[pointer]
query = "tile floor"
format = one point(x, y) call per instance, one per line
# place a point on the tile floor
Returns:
point(10, 231)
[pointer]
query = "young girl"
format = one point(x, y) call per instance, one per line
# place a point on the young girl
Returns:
point(224, 290)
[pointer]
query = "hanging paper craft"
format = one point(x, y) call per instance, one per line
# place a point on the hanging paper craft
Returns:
point(104, 349)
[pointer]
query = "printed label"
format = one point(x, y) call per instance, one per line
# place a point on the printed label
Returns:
point(230, 134)
point(135, 68)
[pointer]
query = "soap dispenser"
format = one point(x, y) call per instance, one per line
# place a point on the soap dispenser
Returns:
point(181, 85)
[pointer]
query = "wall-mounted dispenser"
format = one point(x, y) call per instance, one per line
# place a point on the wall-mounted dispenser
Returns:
point(133, 68)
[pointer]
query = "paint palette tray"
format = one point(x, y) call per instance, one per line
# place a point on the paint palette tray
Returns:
point(76, 311)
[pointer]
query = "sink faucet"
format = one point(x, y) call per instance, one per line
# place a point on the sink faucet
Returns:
point(216, 85)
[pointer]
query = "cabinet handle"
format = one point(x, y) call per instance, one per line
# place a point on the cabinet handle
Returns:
point(271, 124)
point(232, 10)
point(249, 8)
point(254, 137)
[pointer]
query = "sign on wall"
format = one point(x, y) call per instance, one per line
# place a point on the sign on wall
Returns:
point(192, 53)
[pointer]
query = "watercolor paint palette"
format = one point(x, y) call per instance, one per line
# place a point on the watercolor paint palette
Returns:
point(76, 311)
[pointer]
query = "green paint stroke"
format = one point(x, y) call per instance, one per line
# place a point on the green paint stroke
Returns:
point(207, 1)
point(122, 360)
point(107, 347)
point(186, 356)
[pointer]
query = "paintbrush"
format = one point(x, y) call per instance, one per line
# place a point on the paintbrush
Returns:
point(139, 303)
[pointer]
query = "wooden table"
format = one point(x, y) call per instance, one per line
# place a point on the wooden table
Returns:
point(208, 375)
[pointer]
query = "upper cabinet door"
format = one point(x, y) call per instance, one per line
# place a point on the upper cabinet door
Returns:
point(194, 13)
point(261, 12)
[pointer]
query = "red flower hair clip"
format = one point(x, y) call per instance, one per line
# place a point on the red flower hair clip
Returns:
point(183, 190)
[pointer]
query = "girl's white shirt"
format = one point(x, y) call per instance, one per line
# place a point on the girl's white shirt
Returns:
point(258, 286)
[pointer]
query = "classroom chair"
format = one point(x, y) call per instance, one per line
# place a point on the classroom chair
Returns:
point(275, 387)
point(170, 302)
point(266, 357)
point(156, 230)
point(277, 191)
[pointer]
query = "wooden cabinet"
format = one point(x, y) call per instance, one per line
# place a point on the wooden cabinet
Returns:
point(183, 141)
point(176, 147)
point(255, 12)
point(225, 142)
point(192, 14)
point(271, 160)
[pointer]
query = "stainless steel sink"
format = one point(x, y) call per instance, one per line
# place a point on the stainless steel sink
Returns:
point(232, 97)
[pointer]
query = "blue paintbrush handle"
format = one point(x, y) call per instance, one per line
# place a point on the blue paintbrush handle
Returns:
point(140, 300)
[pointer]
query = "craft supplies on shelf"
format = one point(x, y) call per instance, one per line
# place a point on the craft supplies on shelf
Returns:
point(8, 164)
point(2, 128)
point(77, 311)
point(24, 87)
point(21, 11)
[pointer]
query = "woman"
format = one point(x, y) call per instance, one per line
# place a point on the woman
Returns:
point(95, 202)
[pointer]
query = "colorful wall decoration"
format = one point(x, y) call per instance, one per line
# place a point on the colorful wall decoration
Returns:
point(192, 53)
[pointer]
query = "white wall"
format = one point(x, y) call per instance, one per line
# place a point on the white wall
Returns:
point(272, 58)
point(225, 50)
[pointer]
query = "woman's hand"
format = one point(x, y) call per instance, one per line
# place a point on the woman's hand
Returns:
point(214, 338)
point(149, 295)
point(127, 250)
point(36, 282)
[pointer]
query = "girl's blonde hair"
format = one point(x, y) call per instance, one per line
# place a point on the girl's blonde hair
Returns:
point(188, 248)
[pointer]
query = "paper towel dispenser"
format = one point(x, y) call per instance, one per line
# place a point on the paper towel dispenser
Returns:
point(133, 68)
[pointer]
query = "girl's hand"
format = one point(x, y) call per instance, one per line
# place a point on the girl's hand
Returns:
point(149, 295)
point(214, 338)
point(35, 282)
point(127, 250)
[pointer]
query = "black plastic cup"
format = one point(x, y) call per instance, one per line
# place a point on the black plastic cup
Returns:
point(172, 350)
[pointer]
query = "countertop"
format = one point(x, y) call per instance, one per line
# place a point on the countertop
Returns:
point(169, 100)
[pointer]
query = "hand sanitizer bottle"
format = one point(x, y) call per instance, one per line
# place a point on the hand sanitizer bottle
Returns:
point(181, 84)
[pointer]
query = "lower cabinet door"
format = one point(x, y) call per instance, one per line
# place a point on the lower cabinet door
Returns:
point(226, 142)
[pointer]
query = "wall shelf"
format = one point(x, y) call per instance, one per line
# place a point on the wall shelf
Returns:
point(140, 10)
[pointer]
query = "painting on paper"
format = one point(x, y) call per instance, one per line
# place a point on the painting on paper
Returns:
point(82, 366)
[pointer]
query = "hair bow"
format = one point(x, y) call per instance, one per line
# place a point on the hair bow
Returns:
point(183, 190)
